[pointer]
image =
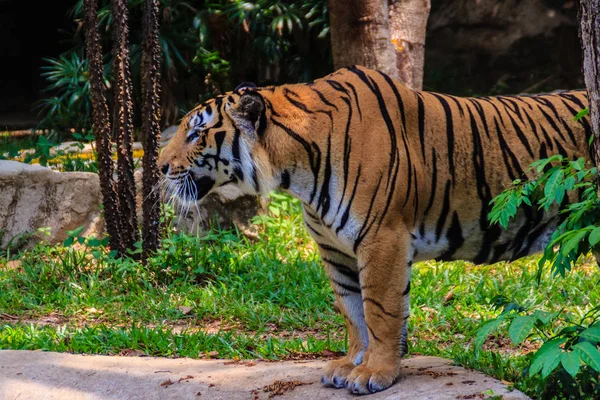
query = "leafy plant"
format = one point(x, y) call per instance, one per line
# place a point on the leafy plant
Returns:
point(557, 179)
point(568, 362)
point(69, 108)
point(567, 365)
point(41, 151)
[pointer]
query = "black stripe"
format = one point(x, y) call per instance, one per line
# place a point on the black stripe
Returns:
point(364, 230)
point(449, 134)
point(347, 148)
point(356, 99)
point(444, 213)
point(380, 306)
point(324, 200)
point(312, 229)
point(323, 99)
point(333, 250)
point(347, 211)
point(421, 118)
point(407, 290)
point(349, 288)
point(455, 238)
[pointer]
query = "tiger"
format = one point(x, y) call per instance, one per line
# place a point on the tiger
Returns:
point(387, 177)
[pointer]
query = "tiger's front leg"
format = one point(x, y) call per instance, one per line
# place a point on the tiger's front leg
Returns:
point(384, 271)
point(342, 270)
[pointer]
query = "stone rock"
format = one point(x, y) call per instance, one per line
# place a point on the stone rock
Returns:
point(35, 375)
point(33, 197)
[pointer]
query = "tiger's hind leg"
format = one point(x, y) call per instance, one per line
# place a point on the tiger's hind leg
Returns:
point(343, 275)
point(384, 265)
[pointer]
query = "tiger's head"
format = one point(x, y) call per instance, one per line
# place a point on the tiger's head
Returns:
point(219, 143)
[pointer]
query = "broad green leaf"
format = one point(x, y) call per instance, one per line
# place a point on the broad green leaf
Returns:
point(570, 362)
point(551, 362)
point(485, 331)
point(589, 354)
point(595, 236)
point(592, 334)
point(553, 182)
point(520, 328)
point(543, 316)
point(546, 353)
point(573, 242)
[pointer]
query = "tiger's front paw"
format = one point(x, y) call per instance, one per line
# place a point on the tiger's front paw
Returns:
point(364, 379)
point(336, 372)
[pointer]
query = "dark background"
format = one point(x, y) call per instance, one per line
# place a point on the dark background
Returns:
point(473, 48)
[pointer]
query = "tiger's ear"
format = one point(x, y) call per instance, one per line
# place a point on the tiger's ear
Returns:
point(244, 85)
point(249, 113)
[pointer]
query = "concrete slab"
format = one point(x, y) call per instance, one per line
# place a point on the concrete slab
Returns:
point(42, 375)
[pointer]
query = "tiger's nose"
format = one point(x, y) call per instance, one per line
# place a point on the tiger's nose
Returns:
point(164, 169)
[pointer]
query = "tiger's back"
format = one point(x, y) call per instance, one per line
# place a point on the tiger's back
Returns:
point(431, 161)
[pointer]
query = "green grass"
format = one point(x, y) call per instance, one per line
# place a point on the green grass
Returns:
point(265, 297)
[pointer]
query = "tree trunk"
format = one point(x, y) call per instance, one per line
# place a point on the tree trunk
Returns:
point(589, 34)
point(123, 125)
point(150, 128)
point(101, 127)
point(360, 34)
point(408, 23)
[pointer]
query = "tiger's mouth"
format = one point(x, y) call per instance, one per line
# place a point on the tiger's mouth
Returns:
point(203, 186)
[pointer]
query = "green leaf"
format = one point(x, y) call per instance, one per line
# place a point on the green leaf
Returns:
point(520, 328)
point(486, 330)
point(573, 242)
point(93, 242)
point(570, 362)
point(274, 210)
point(546, 354)
point(68, 241)
point(581, 114)
point(551, 362)
point(553, 183)
point(543, 316)
point(594, 236)
point(589, 354)
point(592, 334)
point(75, 232)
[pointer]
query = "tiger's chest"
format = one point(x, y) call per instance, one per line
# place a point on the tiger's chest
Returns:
point(330, 231)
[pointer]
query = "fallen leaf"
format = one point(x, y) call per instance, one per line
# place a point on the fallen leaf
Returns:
point(448, 297)
point(185, 378)
point(167, 383)
point(213, 354)
point(132, 353)
point(185, 310)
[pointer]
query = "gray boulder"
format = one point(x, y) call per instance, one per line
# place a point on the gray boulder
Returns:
point(33, 197)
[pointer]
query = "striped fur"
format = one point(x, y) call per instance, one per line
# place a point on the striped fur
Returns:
point(387, 177)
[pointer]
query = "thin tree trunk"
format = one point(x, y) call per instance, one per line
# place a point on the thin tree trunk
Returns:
point(123, 125)
point(150, 128)
point(101, 128)
point(408, 23)
point(589, 34)
point(360, 34)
